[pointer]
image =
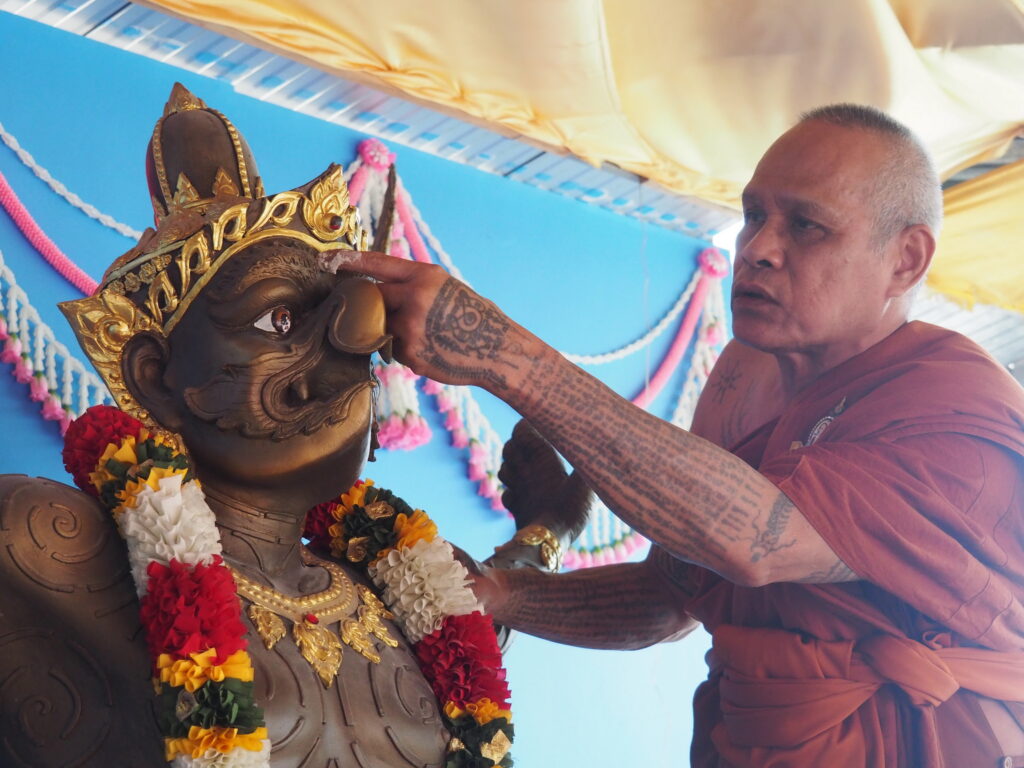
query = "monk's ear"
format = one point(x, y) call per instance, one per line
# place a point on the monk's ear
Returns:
point(144, 365)
point(916, 246)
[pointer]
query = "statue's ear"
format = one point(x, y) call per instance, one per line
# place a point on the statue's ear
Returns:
point(144, 365)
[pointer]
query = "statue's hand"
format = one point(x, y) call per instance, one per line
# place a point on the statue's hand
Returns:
point(538, 491)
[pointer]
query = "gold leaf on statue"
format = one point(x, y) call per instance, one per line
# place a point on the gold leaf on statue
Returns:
point(379, 509)
point(268, 624)
point(358, 639)
point(496, 748)
point(370, 619)
point(224, 185)
point(357, 550)
point(372, 601)
point(320, 647)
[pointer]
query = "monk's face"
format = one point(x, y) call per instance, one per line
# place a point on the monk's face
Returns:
point(268, 395)
point(809, 273)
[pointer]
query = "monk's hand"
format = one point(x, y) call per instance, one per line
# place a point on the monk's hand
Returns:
point(442, 328)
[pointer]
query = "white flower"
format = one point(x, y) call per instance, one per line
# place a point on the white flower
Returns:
point(422, 585)
point(173, 521)
point(236, 758)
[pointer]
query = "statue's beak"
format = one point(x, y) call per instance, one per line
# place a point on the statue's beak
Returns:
point(358, 323)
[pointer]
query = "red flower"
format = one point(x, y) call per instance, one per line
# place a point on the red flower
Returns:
point(190, 609)
point(462, 661)
point(89, 435)
point(318, 520)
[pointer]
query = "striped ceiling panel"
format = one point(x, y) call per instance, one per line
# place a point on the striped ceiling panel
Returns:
point(270, 77)
point(275, 79)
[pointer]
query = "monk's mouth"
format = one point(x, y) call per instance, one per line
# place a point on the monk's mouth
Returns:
point(751, 295)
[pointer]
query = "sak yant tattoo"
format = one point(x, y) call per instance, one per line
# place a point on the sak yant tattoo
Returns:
point(460, 324)
point(708, 507)
point(768, 540)
point(725, 381)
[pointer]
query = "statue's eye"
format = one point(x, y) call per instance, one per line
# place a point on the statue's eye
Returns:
point(277, 320)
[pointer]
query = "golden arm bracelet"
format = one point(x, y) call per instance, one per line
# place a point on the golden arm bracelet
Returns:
point(538, 535)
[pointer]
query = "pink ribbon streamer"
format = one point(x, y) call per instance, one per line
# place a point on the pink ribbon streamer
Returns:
point(358, 183)
point(39, 240)
point(679, 345)
point(412, 234)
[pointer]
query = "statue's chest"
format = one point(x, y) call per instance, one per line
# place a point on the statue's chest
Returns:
point(372, 713)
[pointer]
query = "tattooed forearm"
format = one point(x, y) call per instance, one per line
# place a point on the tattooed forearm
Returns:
point(699, 502)
point(467, 336)
point(615, 607)
point(770, 539)
point(681, 575)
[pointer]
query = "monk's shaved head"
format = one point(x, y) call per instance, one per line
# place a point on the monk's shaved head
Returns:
point(907, 190)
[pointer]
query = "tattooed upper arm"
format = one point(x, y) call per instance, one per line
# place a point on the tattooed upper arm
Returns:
point(776, 534)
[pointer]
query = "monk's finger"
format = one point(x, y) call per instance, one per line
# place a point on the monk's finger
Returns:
point(376, 265)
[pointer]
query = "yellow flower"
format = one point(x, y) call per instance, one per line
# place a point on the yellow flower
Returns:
point(452, 710)
point(127, 497)
point(485, 710)
point(193, 672)
point(123, 452)
point(411, 529)
point(199, 740)
point(356, 495)
point(339, 544)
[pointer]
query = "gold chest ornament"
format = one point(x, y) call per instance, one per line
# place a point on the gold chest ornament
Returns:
point(355, 608)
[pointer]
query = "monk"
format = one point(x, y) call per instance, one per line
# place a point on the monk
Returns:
point(856, 552)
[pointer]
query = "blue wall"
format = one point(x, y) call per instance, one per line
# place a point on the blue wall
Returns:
point(581, 278)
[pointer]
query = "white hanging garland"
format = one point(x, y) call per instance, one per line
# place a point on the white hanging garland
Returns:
point(63, 385)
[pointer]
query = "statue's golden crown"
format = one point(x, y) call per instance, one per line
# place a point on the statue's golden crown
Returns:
point(216, 209)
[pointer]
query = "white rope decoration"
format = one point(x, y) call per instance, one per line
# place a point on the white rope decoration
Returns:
point(89, 210)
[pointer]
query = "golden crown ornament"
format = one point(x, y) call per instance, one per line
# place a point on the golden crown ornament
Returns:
point(216, 210)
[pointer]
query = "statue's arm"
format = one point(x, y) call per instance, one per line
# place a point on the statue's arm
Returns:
point(74, 675)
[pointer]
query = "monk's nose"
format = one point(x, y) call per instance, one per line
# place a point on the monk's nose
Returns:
point(357, 323)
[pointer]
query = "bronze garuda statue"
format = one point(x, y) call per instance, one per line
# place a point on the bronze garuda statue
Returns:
point(223, 591)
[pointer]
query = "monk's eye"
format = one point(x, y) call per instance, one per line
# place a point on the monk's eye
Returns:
point(277, 320)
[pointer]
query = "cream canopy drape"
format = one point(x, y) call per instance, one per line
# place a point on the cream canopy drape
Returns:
point(688, 93)
point(981, 250)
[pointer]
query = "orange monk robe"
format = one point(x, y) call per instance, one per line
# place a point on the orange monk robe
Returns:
point(908, 459)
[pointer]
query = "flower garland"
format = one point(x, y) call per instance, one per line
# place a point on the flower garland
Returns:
point(191, 612)
point(428, 592)
point(188, 603)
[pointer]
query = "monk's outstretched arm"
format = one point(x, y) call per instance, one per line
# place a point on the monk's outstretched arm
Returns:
point(613, 607)
point(699, 502)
